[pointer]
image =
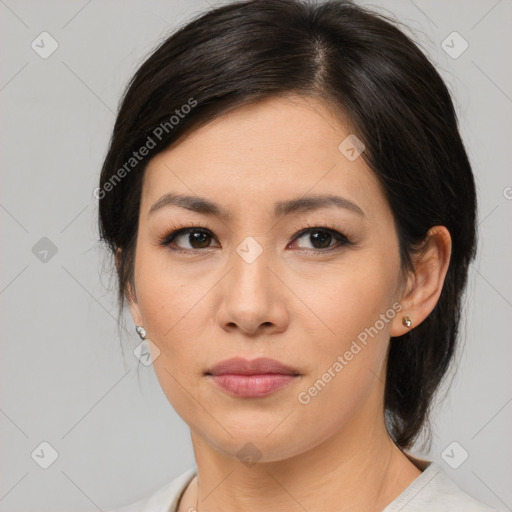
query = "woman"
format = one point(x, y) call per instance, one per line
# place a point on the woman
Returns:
point(292, 214)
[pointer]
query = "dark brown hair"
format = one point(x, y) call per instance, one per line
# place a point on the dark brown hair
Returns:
point(396, 102)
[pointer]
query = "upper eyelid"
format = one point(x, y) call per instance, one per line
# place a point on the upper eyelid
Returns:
point(301, 231)
point(173, 234)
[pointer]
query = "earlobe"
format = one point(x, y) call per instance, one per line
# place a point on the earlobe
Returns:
point(404, 320)
point(407, 322)
point(426, 282)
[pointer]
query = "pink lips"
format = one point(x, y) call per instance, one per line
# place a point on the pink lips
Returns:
point(257, 378)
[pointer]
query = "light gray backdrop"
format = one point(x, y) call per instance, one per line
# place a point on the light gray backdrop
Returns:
point(64, 381)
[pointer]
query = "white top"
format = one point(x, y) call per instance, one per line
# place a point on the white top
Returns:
point(432, 491)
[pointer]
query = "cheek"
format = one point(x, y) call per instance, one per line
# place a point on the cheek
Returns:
point(354, 308)
point(349, 357)
point(174, 317)
point(168, 297)
point(349, 298)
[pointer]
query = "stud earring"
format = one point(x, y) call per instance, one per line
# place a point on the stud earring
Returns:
point(407, 322)
point(141, 332)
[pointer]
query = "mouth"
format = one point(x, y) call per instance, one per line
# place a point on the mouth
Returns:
point(251, 379)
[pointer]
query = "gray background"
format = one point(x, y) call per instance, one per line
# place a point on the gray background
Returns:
point(63, 375)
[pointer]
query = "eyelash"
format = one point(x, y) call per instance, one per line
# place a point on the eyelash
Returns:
point(342, 239)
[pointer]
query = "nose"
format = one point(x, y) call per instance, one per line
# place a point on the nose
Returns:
point(252, 298)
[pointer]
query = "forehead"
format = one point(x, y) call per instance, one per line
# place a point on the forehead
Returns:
point(261, 153)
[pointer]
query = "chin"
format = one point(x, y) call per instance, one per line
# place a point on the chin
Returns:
point(258, 440)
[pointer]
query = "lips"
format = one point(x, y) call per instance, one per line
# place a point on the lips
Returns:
point(260, 366)
point(251, 379)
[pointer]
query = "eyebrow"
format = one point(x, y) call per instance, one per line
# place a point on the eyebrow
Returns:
point(281, 208)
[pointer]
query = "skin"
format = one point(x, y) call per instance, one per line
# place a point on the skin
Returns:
point(294, 303)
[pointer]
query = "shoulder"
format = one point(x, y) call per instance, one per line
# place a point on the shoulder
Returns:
point(164, 499)
point(435, 491)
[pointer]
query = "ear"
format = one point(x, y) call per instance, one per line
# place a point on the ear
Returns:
point(425, 282)
point(130, 294)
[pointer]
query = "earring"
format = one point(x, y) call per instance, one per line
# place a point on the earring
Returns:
point(141, 332)
point(407, 322)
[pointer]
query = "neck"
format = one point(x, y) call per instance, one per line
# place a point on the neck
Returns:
point(367, 473)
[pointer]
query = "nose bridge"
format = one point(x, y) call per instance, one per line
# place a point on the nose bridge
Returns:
point(249, 297)
point(250, 261)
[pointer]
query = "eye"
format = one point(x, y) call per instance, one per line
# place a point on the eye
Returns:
point(190, 239)
point(321, 239)
point(196, 238)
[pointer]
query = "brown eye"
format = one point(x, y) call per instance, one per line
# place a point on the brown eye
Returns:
point(321, 238)
point(195, 238)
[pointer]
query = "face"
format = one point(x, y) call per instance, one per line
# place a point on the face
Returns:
point(314, 285)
